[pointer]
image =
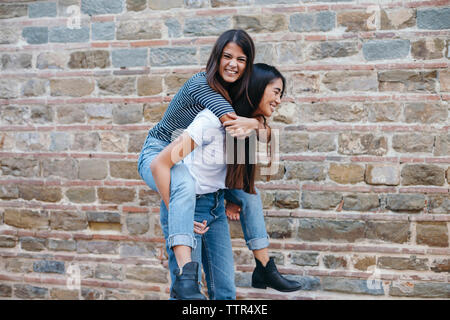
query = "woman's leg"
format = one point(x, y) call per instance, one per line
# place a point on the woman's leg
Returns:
point(217, 253)
point(182, 202)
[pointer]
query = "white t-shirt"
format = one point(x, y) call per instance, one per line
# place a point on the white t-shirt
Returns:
point(207, 163)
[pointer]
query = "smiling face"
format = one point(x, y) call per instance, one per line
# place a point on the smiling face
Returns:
point(271, 98)
point(232, 63)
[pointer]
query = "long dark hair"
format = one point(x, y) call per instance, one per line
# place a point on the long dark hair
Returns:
point(239, 88)
point(241, 174)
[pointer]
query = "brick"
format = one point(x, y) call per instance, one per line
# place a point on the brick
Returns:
point(306, 22)
point(399, 263)
point(68, 221)
point(422, 174)
point(386, 49)
point(129, 57)
point(433, 19)
point(346, 173)
point(320, 200)
point(413, 142)
point(95, 7)
point(176, 56)
point(434, 234)
point(310, 229)
point(382, 174)
point(354, 286)
point(89, 59)
point(405, 202)
point(26, 219)
point(138, 30)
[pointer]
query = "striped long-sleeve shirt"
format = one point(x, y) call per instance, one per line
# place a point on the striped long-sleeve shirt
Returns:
point(194, 96)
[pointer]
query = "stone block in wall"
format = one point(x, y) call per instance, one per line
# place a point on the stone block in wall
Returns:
point(41, 10)
point(362, 262)
point(35, 88)
point(99, 113)
point(52, 60)
point(88, 141)
point(433, 18)
point(397, 19)
point(9, 11)
point(6, 290)
point(63, 294)
point(127, 113)
point(9, 88)
point(288, 53)
point(89, 59)
point(149, 250)
point(293, 142)
point(165, 4)
point(7, 242)
point(64, 168)
point(136, 141)
point(229, 3)
point(361, 202)
point(75, 87)
point(258, 24)
point(321, 142)
point(386, 49)
point(60, 141)
point(307, 22)
point(18, 167)
point(334, 262)
point(149, 86)
point(362, 143)
point(147, 274)
point(103, 31)
point(116, 195)
point(279, 228)
point(215, 26)
point(420, 289)
point(332, 49)
point(413, 142)
point(427, 49)
point(26, 291)
point(442, 145)
point(26, 219)
point(395, 232)
point(69, 114)
point(382, 174)
point(40, 193)
point(384, 111)
point(322, 200)
point(286, 199)
point(433, 234)
point(331, 111)
point(98, 247)
point(138, 30)
point(351, 286)
point(444, 78)
point(400, 263)
point(92, 169)
point(137, 223)
point(49, 266)
point(124, 170)
point(354, 21)
point(68, 35)
point(136, 57)
point(305, 83)
point(312, 229)
point(346, 173)
point(441, 265)
point(16, 61)
point(305, 258)
point(33, 244)
point(62, 245)
point(426, 112)
point(9, 35)
point(8, 193)
point(439, 203)
point(175, 56)
point(136, 5)
point(95, 7)
point(68, 220)
point(305, 171)
point(350, 81)
point(405, 202)
point(408, 81)
point(423, 174)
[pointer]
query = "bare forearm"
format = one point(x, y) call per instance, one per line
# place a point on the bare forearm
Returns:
point(161, 175)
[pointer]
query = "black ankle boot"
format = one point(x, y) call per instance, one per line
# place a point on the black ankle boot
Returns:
point(186, 286)
point(269, 276)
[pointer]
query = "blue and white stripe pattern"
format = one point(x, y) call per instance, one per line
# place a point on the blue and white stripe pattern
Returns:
point(194, 96)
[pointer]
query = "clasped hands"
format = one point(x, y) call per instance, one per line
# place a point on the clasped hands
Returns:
point(232, 211)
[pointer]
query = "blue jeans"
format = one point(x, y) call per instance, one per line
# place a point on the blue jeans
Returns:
point(182, 202)
point(214, 251)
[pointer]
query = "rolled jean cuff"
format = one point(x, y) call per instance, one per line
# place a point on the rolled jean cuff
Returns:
point(258, 243)
point(182, 239)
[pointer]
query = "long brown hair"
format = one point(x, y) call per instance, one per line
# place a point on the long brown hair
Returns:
point(241, 162)
point(215, 81)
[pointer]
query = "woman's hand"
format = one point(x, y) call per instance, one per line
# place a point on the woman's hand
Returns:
point(200, 228)
point(240, 127)
point(232, 211)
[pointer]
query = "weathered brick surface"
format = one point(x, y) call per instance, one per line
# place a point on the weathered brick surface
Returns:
point(359, 205)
